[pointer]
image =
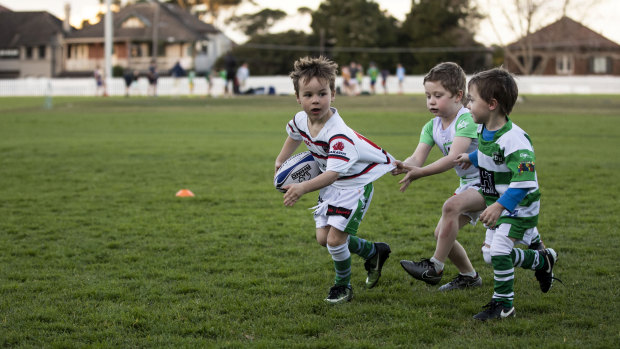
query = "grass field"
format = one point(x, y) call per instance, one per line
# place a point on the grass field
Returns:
point(96, 250)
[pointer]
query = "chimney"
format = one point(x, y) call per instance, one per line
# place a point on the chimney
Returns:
point(66, 25)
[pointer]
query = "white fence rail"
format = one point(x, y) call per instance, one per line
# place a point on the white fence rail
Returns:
point(283, 85)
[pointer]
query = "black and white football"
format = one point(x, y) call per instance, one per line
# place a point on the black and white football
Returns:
point(298, 168)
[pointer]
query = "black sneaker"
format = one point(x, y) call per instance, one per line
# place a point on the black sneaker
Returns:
point(461, 282)
point(495, 310)
point(374, 264)
point(545, 275)
point(539, 246)
point(423, 270)
point(339, 294)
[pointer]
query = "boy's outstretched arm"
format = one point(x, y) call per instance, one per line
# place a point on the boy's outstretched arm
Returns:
point(295, 191)
point(441, 165)
point(289, 146)
point(416, 159)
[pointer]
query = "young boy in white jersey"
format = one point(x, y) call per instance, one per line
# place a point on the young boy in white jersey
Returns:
point(454, 132)
point(349, 164)
point(509, 191)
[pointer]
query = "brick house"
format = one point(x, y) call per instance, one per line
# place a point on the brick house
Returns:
point(180, 36)
point(565, 47)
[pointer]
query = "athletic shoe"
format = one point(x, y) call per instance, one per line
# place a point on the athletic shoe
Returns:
point(545, 275)
point(539, 246)
point(423, 270)
point(374, 264)
point(461, 282)
point(339, 294)
point(495, 310)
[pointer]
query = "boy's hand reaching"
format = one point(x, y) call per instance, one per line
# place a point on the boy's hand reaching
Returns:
point(400, 168)
point(413, 173)
point(463, 161)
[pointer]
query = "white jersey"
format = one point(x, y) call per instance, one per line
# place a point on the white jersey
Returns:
point(340, 149)
point(463, 125)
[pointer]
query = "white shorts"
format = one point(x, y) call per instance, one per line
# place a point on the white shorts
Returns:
point(343, 209)
point(473, 216)
point(504, 229)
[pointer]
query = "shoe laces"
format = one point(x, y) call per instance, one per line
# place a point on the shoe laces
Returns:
point(492, 305)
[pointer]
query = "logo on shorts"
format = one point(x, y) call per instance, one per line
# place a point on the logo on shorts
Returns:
point(338, 211)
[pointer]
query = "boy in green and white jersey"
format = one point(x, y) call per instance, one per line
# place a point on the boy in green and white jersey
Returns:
point(509, 189)
point(453, 131)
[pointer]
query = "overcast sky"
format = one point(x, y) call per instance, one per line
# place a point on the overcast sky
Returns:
point(602, 17)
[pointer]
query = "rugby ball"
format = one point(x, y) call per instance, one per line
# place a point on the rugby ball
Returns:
point(298, 168)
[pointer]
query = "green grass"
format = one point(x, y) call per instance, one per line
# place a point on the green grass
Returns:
point(96, 251)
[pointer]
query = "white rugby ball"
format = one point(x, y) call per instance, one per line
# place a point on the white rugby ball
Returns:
point(298, 168)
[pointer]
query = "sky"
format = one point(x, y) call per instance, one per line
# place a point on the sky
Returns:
point(600, 17)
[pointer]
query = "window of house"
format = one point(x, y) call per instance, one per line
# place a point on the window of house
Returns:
point(28, 52)
point(133, 22)
point(564, 64)
point(42, 52)
point(599, 65)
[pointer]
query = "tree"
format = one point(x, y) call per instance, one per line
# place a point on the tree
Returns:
point(273, 54)
point(354, 23)
point(447, 26)
point(259, 22)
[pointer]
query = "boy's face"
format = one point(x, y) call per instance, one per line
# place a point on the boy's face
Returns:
point(480, 109)
point(315, 97)
point(440, 102)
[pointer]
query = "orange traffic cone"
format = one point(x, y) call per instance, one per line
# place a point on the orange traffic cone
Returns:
point(184, 193)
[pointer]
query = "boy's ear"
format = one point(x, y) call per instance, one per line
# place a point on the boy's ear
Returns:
point(460, 96)
point(493, 104)
point(297, 97)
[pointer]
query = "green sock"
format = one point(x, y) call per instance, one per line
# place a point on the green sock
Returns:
point(503, 276)
point(361, 247)
point(343, 272)
point(526, 259)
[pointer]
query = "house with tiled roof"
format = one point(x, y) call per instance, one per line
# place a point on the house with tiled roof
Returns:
point(30, 44)
point(565, 47)
point(146, 31)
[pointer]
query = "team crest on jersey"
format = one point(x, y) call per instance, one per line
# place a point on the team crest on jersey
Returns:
point(526, 167)
point(338, 146)
point(498, 158)
point(462, 124)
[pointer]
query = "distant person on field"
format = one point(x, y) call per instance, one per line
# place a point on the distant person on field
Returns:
point(509, 194)
point(384, 76)
point(100, 81)
point(243, 73)
point(177, 72)
point(400, 74)
point(372, 73)
point(230, 64)
point(191, 75)
point(152, 76)
point(130, 78)
point(349, 163)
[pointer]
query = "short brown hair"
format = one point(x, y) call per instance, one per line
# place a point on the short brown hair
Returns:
point(498, 84)
point(321, 68)
point(450, 75)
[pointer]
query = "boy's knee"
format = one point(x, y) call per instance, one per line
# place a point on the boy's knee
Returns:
point(450, 208)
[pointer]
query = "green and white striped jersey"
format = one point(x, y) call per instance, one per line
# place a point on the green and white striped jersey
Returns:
point(508, 161)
